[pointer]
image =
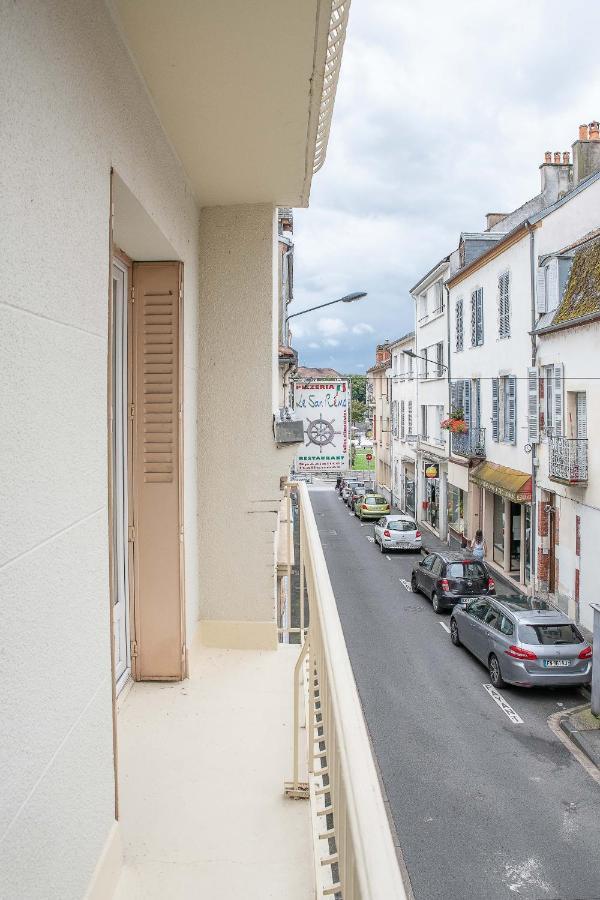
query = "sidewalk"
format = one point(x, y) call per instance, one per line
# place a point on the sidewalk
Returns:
point(584, 730)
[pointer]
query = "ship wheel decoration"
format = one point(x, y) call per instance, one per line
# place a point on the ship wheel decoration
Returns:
point(320, 432)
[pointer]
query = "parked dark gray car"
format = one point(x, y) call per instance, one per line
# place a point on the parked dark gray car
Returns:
point(447, 576)
point(522, 640)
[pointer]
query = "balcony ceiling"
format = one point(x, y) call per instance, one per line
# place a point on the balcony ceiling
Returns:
point(237, 86)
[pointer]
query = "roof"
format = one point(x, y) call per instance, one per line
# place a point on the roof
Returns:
point(521, 230)
point(424, 278)
point(508, 483)
point(531, 608)
point(582, 293)
point(400, 340)
point(453, 555)
point(306, 372)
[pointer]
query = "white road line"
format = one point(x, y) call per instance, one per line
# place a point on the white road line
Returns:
point(444, 626)
point(362, 524)
point(389, 557)
point(506, 708)
point(350, 513)
point(370, 539)
point(406, 585)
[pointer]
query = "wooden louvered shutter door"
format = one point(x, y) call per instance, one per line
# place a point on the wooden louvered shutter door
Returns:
point(159, 630)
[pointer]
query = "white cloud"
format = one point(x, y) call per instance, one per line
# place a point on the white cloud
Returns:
point(313, 345)
point(330, 327)
point(363, 328)
point(331, 342)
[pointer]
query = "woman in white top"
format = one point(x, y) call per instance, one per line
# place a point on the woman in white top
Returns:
point(478, 546)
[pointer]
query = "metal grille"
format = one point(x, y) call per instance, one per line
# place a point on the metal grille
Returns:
point(471, 444)
point(569, 460)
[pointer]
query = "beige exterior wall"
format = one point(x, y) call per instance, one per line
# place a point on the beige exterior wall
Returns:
point(239, 462)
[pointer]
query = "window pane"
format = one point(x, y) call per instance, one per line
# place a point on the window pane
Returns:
point(550, 634)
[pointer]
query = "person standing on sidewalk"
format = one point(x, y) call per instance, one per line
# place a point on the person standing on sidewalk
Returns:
point(478, 546)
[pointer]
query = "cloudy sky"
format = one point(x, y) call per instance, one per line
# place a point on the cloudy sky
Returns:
point(443, 113)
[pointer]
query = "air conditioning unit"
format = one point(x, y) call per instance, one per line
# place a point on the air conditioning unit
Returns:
point(288, 432)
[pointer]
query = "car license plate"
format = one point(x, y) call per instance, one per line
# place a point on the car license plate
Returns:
point(556, 663)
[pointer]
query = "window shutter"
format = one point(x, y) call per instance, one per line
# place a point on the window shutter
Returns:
point(495, 409)
point(440, 359)
point(511, 437)
point(158, 541)
point(541, 290)
point(459, 325)
point(581, 415)
point(477, 416)
point(479, 316)
point(558, 400)
point(402, 412)
point(454, 395)
point(504, 305)
point(552, 285)
point(474, 319)
point(467, 401)
point(410, 417)
point(533, 409)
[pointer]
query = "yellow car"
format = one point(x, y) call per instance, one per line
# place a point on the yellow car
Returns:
point(371, 506)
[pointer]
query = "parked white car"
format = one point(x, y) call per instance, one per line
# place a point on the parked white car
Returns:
point(397, 533)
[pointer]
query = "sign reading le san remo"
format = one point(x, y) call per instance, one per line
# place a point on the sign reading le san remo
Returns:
point(324, 408)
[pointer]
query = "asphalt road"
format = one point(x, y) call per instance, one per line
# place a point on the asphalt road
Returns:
point(484, 808)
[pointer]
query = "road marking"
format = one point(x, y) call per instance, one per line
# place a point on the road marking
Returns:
point(362, 524)
point(389, 557)
point(506, 708)
point(350, 513)
point(406, 585)
point(444, 626)
point(332, 531)
point(370, 539)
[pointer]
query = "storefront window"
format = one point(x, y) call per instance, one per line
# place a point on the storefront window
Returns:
point(409, 495)
point(527, 543)
point(515, 536)
point(456, 513)
point(498, 529)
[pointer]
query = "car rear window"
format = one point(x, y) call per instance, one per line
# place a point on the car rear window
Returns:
point(563, 633)
point(378, 501)
point(466, 569)
point(396, 525)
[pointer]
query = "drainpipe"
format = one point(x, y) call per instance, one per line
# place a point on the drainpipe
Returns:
point(417, 430)
point(533, 537)
point(449, 377)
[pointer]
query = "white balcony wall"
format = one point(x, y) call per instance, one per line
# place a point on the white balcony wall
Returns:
point(72, 107)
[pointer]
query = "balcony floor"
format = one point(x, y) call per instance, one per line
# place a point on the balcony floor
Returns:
point(202, 767)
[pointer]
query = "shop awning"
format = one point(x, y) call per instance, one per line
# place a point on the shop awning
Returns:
point(509, 483)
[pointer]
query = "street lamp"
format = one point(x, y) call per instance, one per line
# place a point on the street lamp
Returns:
point(349, 298)
point(434, 362)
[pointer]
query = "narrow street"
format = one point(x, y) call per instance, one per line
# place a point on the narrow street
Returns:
point(484, 808)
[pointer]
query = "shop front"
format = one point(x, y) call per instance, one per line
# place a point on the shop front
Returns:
point(458, 494)
point(408, 488)
point(431, 498)
point(506, 518)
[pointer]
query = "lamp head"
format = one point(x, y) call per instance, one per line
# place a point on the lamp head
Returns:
point(350, 298)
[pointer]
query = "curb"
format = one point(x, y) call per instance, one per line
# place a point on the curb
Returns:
point(574, 735)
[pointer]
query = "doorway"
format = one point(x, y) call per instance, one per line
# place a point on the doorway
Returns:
point(120, 469)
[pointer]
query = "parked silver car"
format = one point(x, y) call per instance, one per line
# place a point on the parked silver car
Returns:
point(347, 488)
point(397, 533)
point(522, 640)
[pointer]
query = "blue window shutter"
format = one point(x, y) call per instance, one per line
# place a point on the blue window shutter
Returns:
point(467, 401)
point(495, 409)
point(512, 409)
point(479, 316)
point(474, 319)
point(477, 416)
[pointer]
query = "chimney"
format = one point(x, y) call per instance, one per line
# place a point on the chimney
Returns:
point(586, 152)
point(556, 176)
point(492, 219)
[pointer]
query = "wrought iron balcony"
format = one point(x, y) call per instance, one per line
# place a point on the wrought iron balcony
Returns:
point(568, 460)
point(471, 444)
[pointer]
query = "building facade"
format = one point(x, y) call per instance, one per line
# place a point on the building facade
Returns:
point(403, 416)
point(379, 401)
point(431, 366)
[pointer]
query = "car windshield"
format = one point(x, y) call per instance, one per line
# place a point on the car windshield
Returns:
point(562, 633)
point(377, 501)
point(465, 569)
point(400, 525)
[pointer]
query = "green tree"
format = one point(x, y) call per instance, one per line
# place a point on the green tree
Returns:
point(358, 385)
point(359, 410)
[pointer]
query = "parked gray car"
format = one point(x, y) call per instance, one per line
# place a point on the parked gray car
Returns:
point(522, 640)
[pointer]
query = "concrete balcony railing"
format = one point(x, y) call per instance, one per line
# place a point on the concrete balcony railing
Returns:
point(471, 444)
point(568, 462)
point(353, 839)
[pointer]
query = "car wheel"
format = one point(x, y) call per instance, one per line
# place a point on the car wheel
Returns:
point(414, 585)
point(436, 603)
point(495, 673)
point(454, 633)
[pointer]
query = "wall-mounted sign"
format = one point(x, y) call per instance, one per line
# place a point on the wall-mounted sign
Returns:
point(325, 411)
point(432, 470)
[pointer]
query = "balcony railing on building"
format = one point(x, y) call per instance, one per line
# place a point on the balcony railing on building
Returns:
point(356, 857)
point(568, 460)
point(470, 444)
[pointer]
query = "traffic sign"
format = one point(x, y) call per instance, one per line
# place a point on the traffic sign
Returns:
point(368, 457)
